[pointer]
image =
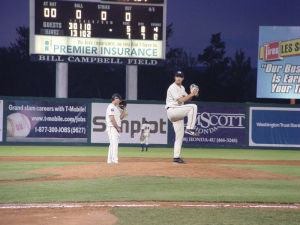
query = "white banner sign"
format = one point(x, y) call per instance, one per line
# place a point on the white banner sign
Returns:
point(1, 120)
point(131, 126)
point(98, 47)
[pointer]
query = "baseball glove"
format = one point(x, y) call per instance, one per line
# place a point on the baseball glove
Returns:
point(123, 104)
point(194, 87)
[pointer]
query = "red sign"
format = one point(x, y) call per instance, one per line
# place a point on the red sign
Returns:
point(272, 51)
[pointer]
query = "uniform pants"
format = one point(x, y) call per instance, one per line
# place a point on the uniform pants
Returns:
point(114, 136)
point(176, 115)
point(144, 139)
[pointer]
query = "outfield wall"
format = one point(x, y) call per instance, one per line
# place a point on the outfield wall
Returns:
point(51, 121)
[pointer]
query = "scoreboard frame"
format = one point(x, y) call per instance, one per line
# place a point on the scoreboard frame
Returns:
point(99, 59)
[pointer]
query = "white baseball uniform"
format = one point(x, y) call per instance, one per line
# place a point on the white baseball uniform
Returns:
point(176, 112)
point(145, 134)
point(113, 133)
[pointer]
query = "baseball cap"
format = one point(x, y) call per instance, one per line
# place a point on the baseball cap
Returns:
point(179, 74)
point(116, 95)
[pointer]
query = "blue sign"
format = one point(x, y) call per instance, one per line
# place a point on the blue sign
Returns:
point(278, 69)
point(219, 125)
point(46, 121)
point(279, 127)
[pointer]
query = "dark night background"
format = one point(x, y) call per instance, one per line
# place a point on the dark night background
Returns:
point(214, 42)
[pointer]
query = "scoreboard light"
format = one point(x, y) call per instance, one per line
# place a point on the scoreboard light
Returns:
point(98, 31)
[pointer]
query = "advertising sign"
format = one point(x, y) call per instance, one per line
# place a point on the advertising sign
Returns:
point(1, 120)
point(219, 125)
point(131, 126)
point(278, 127)
point(43, 121)
point(278, 69)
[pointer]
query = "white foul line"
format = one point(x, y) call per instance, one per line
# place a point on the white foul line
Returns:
point(241, 206)
point(165, 204)
point(30, 206)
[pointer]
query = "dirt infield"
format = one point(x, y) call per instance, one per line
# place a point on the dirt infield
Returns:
point(191, 170)
point(98, 213)
point(195, 168)
point(54, 216)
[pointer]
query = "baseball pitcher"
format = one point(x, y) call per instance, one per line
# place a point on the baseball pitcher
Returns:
point(114, 115)
point(176, 111)
point(145, 134)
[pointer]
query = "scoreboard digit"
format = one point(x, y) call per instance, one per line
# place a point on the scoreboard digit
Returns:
point(95, 30)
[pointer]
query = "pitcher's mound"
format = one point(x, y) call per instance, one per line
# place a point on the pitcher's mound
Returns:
point(166, 169)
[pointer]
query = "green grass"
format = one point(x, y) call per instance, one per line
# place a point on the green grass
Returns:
point(152, 189)
point(137, 216)
point(154, 152)
point(16, 170)
point(281, 169)
point(146, 188)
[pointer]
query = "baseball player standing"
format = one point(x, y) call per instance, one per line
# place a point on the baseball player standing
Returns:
point(145, 134)
point(114, 115)
point(176, 111)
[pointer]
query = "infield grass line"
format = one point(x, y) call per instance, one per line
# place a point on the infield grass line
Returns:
point(116, 189)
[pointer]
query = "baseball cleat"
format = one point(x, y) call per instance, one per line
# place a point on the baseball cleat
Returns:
point(179, 160)
point(192, 132)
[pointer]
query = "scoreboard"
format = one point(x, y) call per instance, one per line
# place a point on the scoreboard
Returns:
point(98, 31)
